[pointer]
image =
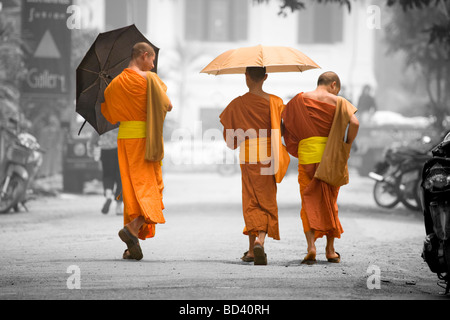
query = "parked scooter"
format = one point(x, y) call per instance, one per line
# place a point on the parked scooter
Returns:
point(398, 177)
point(436, 203)
point(20, 160)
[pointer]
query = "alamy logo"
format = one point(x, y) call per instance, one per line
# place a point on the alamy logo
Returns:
point(374, 279)
point(74, 280)
point(374, 17)
point(74, 20)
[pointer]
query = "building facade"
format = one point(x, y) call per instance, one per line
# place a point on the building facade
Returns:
point(191, 33)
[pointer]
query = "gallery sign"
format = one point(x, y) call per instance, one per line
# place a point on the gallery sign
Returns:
point(48, 43)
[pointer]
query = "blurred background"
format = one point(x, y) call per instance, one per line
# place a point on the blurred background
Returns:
point(393, 67)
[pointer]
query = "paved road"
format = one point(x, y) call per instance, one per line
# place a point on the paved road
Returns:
point(195, 255)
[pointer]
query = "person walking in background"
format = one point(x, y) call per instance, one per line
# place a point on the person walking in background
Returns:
point(320, 128)
point(137, 99)
point(248, 122)
point(344, 93)
point(366, 102)
point(51, 140)
point(104, 148)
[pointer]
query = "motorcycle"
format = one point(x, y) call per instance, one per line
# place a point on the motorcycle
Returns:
point(398, 177)
point(20, 160)
point(435, 199)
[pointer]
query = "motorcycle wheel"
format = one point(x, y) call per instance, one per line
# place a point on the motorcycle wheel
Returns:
point(385, 194)
point(15, 191)
point(411, 195)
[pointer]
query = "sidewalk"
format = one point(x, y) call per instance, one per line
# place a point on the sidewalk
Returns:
point(196, 254)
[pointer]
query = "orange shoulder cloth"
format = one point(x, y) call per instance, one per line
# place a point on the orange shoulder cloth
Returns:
point(280, 155)
point(334, 169)
point(157, 108)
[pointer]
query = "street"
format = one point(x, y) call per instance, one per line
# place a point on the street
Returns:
point(64, 248)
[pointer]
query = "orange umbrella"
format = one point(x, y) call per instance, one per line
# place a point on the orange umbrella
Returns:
point(275, 59)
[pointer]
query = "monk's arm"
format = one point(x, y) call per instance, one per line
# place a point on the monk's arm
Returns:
point(353, 129)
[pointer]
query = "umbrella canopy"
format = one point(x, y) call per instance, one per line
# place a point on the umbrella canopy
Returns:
point(275, 59)
point(109, 55)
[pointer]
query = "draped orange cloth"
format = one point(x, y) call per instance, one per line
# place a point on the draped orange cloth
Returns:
point(142, 183)
point(251, 115)
point(305, 118)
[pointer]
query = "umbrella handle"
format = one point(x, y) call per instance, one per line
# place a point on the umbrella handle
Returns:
point(79, 132)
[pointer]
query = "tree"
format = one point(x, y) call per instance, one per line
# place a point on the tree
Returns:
point(439, 31)
point(11, 64)
point(421, 29)
point(295, 5)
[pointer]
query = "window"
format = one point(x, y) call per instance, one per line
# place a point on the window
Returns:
point(321, 24)
point(216, 20)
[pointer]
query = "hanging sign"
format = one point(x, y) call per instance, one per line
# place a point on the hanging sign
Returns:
point(48, 44)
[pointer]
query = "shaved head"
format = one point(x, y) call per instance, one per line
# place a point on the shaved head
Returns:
point(328, 78)
point(141, 48)
point(257, 74)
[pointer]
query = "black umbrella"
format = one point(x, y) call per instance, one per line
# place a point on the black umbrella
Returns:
point(109, 55)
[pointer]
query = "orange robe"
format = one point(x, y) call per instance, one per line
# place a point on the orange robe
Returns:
point(142, 183)
point(305, 118)
point(252, 114)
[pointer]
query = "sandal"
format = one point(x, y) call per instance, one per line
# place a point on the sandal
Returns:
point(132, 243)
point(246, 258)
point(127, 255)
point(309, 259)
point(335, 260)
point(260, 255)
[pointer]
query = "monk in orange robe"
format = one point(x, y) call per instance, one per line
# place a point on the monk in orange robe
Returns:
point(308, 120)
point(126, 101)
point(248, 122)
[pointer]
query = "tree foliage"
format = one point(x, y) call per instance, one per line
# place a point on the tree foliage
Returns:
point(11, 65)
point(415, 30)
point(438, 30)
point(420, 29)
point(295, 5)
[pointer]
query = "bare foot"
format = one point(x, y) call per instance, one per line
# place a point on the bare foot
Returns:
point(259, 242)
point(330, 253)
point(260, 255)
point(250, 254)
point(127, 255)
point(133, 232)
point(310, 258)
point(332, 256)
point(134, 226)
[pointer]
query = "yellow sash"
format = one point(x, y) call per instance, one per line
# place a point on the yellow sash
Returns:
point(132, 130)
point(255, 150)
point(311, 150)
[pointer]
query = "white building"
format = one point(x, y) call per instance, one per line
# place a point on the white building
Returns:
point(191, 33)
